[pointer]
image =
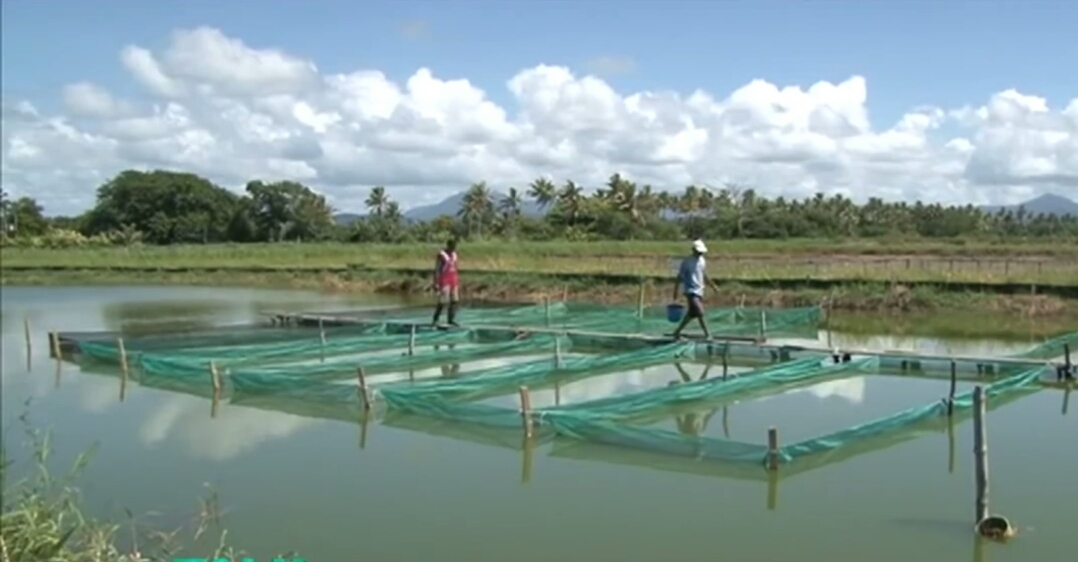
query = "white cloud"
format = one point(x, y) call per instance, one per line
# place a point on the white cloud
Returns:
point(233, 112)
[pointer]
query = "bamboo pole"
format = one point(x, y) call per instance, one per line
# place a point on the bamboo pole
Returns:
point(364, 392)
point(1067, 397)
point(726, 421)
point(546, 308)
point(980, 452)
point(526, 411)
point(411, 341)
point(763, 325)
point(215, 404)
point(565, 293)
point(557, 352)
point(772, 449)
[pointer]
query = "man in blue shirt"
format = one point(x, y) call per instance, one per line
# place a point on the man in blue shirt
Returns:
point(690, 282)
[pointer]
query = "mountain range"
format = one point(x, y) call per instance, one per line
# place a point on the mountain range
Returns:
point(1048, 204)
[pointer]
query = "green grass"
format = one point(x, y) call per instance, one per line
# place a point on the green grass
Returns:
point(746, 260)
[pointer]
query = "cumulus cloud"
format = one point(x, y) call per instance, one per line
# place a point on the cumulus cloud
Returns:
point(231, 111)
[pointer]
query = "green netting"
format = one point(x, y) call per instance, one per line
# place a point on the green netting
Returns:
point(456, 399)
point(225, 336)
point(653, 402)
point(1053, 348)
point(604, 430)
point(197, 361)
point(283, 378)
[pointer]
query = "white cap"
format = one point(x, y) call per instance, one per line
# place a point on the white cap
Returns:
point(699, 247)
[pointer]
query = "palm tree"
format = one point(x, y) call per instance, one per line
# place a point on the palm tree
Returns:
point(377, 201)
point(477, 208)
point(544, 192)
point(570, 198)
point(511, 204)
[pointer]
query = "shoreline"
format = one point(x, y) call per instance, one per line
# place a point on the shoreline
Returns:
point(889, 300)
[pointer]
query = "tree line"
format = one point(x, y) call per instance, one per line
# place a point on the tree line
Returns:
point(165, 207)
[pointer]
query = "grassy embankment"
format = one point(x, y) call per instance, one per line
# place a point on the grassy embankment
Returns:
point(857, 274)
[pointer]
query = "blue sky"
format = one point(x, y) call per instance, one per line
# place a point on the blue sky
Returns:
point(946, 53)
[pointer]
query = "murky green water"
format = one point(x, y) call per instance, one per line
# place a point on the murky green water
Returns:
point(297, 483)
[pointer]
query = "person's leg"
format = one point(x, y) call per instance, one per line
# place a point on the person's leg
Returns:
point(699, 305)
point(454, 299)
point(685, 319)
point(443, 296)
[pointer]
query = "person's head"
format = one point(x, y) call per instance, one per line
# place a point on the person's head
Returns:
point(451, 245)
point(698, 248)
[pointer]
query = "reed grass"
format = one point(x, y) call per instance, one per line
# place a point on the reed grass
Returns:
point(43, 518)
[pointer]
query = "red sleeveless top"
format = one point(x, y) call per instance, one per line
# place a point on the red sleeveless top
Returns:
point(447, 275)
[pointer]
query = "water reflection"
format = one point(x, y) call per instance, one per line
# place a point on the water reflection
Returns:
point(160, 440)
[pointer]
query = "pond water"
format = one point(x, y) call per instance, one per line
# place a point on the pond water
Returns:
point(290, 482)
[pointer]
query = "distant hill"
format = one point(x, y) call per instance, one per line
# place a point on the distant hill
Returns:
point(346, 219)
point(1049, 204)
point(451, 205)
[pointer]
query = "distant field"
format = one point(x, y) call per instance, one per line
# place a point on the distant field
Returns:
point(851, 259)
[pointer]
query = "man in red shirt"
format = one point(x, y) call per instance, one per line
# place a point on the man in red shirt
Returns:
point(447, 282)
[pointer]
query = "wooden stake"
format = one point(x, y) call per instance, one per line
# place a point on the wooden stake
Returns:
point(557, 352)
point(215, 379)
point(950, 445)
point(763, 325)
point(364, 421)
point(546, 307)
point(557, 394)
point(725, 422)
point(772, 449)
point(123, 357)
point(364, 392)
point(954, 383)
point(29, 346)
point(640, 302)
point(772, 490)
point(411, 341)
point(528, 454)
point(725, 360)
point(565, 294)
point(322, 338)
point(980, 452)
point(827, 319)
point(54, 341)
point(1067, 397)
point(215, 403)
point(526, 411)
